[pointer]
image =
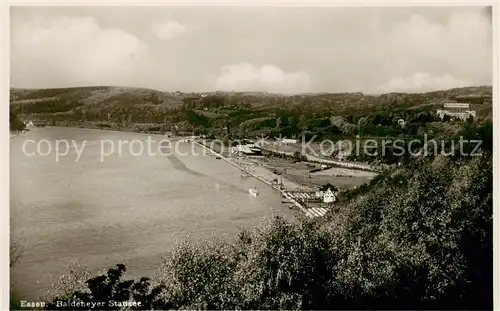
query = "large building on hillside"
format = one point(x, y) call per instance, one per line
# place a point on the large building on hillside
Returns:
point(456, 110)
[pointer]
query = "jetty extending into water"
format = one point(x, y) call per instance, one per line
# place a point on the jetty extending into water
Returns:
point(261, 173)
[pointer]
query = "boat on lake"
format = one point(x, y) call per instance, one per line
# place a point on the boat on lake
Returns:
point(253, 192)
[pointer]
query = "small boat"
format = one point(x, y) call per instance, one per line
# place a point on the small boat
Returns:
point(218, 158)
point(253, 192)
point(256, 150)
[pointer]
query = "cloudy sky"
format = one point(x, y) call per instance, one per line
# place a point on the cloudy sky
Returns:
point(287, 50)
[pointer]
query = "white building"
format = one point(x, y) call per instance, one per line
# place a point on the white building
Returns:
point(460, 111)
point(463, 115)
point(328, 196)
point(287, 141)
point(464, 106)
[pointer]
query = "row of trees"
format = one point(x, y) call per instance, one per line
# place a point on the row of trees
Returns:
point(336, 127)
point(431, 145)
point(15, 123)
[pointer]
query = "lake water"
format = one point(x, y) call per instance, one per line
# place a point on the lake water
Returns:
point(127, 209)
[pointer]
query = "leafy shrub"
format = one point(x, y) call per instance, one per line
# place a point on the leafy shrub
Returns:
point(111, 290)
point(415, 239)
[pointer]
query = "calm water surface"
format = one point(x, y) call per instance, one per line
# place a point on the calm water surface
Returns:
point(127, 209)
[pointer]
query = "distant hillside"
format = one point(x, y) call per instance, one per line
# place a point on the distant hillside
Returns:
point(100, 103)
point(99, 95)
point(128, 96)
point(127, 105)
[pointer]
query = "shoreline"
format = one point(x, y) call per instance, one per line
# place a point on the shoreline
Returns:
point(239, 164)
point(260, 178)
point(299, 172)
point(99, 129)
point(263, 169)
point(108, 130)
point(310, 158)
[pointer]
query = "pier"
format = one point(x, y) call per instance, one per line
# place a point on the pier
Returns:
point(292, 195)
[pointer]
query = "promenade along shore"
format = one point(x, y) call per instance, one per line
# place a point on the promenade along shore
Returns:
point(255, 170)
point(266, 176)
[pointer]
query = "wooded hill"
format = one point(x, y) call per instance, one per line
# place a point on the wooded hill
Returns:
point(246, 113)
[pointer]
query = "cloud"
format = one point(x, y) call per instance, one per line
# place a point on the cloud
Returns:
point(421, 82)
point(461, 46)
point(120, 47)
point(168, 29)
point(246, 77)
point(73, 51)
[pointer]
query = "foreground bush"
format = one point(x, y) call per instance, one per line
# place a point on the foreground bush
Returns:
point(417, 237)
point(421, 237)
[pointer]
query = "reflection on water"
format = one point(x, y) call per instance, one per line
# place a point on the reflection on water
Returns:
point(127, 209)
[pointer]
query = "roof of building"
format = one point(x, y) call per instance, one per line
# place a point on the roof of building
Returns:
point(456, 105)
